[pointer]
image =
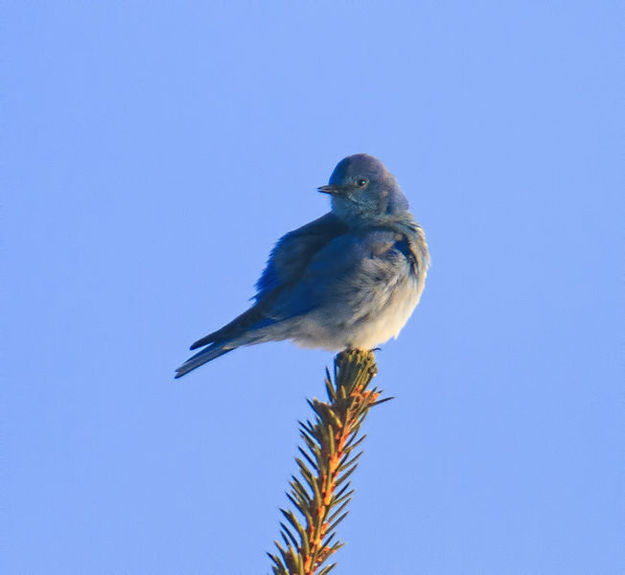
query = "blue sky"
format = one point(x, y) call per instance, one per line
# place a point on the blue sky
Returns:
point(152, 153)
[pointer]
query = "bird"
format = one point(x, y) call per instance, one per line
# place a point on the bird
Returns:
point(347, 280)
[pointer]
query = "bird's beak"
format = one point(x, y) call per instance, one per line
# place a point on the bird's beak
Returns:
point(332, 190)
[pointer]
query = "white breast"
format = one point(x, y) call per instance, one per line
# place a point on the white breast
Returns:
point(391, 318)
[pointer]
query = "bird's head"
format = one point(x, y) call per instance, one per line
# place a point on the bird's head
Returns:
point(363, 189)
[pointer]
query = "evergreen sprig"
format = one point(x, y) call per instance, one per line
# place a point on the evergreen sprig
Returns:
point(322, 492)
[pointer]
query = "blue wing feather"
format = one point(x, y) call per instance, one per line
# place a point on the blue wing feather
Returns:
point(286, 264)
point(349, 263)
point(293, 252)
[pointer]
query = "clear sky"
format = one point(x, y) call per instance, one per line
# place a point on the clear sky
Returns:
point(152, 152)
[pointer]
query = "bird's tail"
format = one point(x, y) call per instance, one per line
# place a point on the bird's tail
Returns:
point(245, 329)
point(207, 354)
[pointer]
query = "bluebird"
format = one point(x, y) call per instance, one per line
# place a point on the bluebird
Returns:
point(347, 280)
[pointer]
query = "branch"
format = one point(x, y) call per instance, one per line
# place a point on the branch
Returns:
point(322, 492)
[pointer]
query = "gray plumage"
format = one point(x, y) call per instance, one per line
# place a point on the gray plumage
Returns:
point(350, 279)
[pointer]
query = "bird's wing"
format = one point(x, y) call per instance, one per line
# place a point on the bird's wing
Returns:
point(294, 251)
point(350, 272)
point(287, 261)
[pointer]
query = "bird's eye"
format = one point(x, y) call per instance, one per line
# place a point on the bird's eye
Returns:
point(361, 182)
